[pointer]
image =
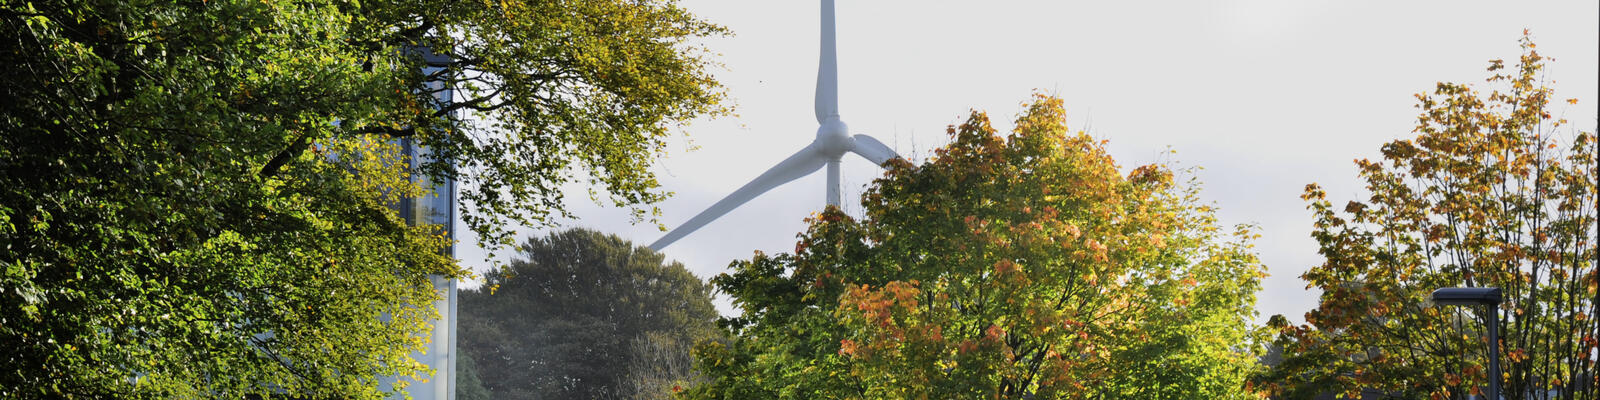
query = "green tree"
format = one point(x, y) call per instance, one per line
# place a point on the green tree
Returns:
point(1017, 267)
point(1490, 192)
point(585, 315)
point(468, 385)
point(196, 193)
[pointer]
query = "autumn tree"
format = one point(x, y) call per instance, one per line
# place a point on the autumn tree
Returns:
point(1494, 191)
point(584, 315)
point(195, 196)
point(1023, 266)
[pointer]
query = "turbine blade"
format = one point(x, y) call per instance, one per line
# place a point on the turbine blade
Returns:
point(827, 69)
point(800, 164)
point(873, 150)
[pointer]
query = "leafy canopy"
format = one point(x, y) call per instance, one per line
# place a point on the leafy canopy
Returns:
point(583, 315)
point(1024, 266)
point(196, 193)
point(1492, 192)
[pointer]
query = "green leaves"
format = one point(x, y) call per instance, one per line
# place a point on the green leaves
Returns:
point(198, 193)
point(1023, 266)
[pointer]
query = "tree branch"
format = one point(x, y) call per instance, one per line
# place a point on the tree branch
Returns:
point(388, 131)
point(476, 104)
point(277, 162)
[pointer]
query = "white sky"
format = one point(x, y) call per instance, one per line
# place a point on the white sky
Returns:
point(1265, 95)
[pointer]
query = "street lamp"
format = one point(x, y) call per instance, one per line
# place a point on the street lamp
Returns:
point(1480, 297)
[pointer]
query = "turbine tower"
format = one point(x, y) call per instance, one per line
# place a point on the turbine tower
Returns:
point(832, 142)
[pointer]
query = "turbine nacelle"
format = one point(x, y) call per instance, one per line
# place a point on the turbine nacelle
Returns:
point(833, 138)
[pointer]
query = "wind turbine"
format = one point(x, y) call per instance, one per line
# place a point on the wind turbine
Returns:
point(832, 142)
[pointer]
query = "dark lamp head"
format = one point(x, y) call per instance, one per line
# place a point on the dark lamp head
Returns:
point(1466, 296)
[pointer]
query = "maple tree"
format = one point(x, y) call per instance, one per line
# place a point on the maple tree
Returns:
point(1492, 192)
point(1024, 266)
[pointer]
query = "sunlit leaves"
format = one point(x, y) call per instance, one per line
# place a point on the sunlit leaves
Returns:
point(184, 177)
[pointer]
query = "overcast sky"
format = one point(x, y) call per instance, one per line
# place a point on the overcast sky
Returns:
point(1265, 95)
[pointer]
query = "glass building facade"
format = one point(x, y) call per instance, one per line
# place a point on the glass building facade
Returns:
point(437, 208)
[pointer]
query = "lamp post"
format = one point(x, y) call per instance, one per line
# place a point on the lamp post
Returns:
point(1480, 297)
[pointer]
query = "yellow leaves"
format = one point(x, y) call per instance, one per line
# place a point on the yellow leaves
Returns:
point(878, 308)
point(1072, 231)
point(1355, 207)
point(1098, 250)
point(1517, 355)
point(1313, 192)
point(1150, 174)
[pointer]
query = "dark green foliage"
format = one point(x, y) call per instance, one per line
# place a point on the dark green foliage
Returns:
point(585, 316)
point(468, 385)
